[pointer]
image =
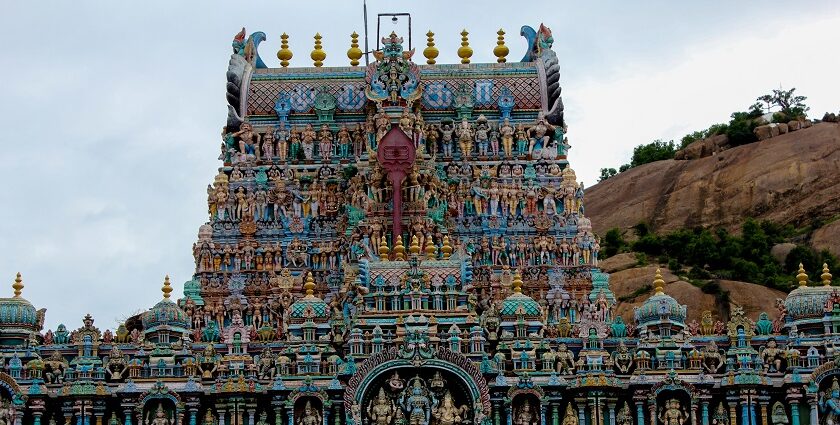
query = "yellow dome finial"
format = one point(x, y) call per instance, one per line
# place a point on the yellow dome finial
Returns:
point(309, 285)
point(18, 285)
point(167, 287)
point(318, 54)
point(399, 249)
point(414, 248)
point(516, 285)
point(501, 51)
point(354, 53)
point(284, 54)
point(465, 51)
point(802, 277)
point(431, 249)
point(446, 249)
point(826, 275)
point(658, 282)
point(430, 52)
point(383, 249)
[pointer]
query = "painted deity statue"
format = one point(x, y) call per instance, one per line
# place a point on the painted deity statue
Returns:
point(381, 409)
point(446, 413)
point(829, 404)
point(507, 132)
point(310, 416)
point(160, 417)
point(6, 413)
point(672, 414)
point(570, 417)
point(624, 416)
point(465, 137)
point(417, 403)
point(525, 415)
point(779, 415)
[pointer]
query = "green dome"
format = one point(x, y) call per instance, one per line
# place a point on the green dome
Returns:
point(520, 304)
point(166, 314)
point(301, 308)
point(17, 312)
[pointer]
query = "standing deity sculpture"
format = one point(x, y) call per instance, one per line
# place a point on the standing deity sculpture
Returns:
point(829, 404)
point(160, 417)
point(624, 416)
point(416, 400)
point(307, 141)
point(570, 417)
point(525, 415)
point(465, 137)
point(672, 413)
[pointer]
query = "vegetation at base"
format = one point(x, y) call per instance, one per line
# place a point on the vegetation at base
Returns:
point(635, 294)
point(719, 254)
point(739, 129)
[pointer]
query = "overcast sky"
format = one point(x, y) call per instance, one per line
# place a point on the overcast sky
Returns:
point(111, 111)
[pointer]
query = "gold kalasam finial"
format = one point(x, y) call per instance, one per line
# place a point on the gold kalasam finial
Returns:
point(399, 249)
point(465, 51)
point(516, 285)
point(501, 51)
point(414, 248)
point(431, 249)
point(284, 54)
point(318, 55)
point(354, 53)
point(383, 249)
point(826, 275)
point(18, 285)
point(167, 287)
point(446, 249)
point(658, 282)
point(309, 285)
point(430, 52)
point(801, 276)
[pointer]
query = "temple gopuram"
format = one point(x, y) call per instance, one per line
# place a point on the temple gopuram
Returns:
point(405, 243)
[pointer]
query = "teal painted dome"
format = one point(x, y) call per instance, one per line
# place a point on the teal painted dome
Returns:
point(309, 305)
point(17, 312)
point(166, 314)
point(519, 304)
point(808, 302)
point(660, 308)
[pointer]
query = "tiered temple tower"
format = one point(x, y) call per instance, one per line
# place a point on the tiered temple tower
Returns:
point(406, 243)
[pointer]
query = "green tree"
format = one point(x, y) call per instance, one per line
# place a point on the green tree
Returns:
point(651, 152)
point(613, 242)
point(607, 173)
point(789, 104)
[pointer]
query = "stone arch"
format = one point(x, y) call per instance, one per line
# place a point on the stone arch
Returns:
point(826, 370)
point(376, 366)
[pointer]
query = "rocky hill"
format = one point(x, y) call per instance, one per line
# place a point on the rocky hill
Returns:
point(632, 285)
point(793, 178)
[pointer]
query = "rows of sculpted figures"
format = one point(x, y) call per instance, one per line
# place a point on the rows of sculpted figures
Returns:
point(406, 244)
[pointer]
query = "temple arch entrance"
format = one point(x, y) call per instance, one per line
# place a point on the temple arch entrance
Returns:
point(419, 385)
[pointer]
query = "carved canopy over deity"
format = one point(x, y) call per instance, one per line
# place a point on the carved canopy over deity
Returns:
point(393, 78)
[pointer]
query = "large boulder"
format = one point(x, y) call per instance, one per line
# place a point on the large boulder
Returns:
point(618, 262)
point(780, 251)
point(763, 132)
point(827, 237)
point(794, 125)
point(783, 128)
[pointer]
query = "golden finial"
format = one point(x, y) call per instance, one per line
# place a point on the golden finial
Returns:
point(399, 249)
point(658, 283)
point(318, 55)
point(517, 282)
point(500, 51)
point(465, 51)
point(414, 249)
point(431, 249)
point(18, 285)
point(430, 52)
point(284, 54)
point(167, 287)
point(383, 249)
point(446, 249)
point(826, 275)
point(354, 53)
point(802, 277)
point(309, 285)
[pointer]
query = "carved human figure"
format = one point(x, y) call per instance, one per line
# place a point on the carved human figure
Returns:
point(525, 415)
point(447, 140)
point(307, 141)
point(570, 417)
point(381, 409)
point(310, 415)
point(779, 414)
point(248, 141)
point(829, 404)
point(465, 138)
point(160, 417)
point(672, 414)
point(506, 131)
point(624, 416)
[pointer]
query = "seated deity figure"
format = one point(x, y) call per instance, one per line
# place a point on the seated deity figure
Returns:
point(381, 409)
point(310, 416)
point(525, 415)
point(446, 413)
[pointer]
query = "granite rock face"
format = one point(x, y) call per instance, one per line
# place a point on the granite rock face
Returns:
point(793, 178)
